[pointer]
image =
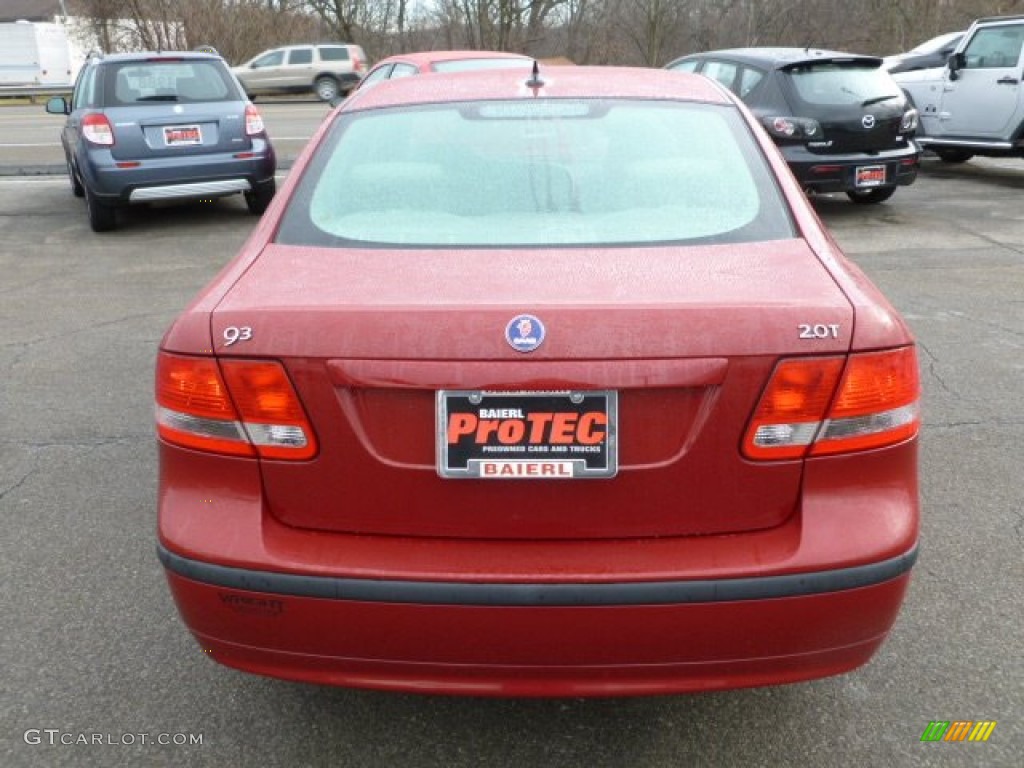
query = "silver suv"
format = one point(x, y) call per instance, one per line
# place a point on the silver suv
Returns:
point(328, 70)
point(974, 105)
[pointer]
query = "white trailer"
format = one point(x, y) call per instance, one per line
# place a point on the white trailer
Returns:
point(34, 54)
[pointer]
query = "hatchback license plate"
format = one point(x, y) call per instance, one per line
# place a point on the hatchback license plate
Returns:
point(182, 135)
point(870, 176)
point(526, 435)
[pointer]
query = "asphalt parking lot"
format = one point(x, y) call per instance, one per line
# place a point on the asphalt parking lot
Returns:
point(93, 648)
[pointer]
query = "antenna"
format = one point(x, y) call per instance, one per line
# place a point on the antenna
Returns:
point(535, 81)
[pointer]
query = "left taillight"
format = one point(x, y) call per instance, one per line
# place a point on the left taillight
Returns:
point(253, 121)
point(826, 406)
point(96, 129)
point(234, 407)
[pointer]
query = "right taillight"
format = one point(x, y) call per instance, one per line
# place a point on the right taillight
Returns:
point(253, 121)
point(823, 406)
point(235, 407)
point(96, 129)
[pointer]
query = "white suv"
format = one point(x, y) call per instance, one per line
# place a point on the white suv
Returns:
point(327, 70)
point(975, 104)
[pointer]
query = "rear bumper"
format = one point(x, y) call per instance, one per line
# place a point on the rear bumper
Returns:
point(172, 178)
point(837, 173)
point(815, 596)
point(540, 650)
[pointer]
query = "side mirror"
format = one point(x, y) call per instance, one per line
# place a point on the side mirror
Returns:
point(956, 62)
point(58, 105)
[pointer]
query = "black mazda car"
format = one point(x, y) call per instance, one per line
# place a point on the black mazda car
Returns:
point(840, 120)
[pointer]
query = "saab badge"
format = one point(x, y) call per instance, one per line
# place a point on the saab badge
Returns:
point(524, 333)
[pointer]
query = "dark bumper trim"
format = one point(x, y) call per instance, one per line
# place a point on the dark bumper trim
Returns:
point(463, 593)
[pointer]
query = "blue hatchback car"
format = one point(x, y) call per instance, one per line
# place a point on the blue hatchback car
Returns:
point(145, 127)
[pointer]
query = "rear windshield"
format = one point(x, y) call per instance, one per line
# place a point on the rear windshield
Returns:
point(842, 83)
point(185, 81)
point(527, 173)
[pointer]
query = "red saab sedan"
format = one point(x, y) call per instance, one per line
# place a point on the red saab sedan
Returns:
point(542, 384)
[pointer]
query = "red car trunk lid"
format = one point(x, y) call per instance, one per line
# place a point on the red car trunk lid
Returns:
point(686, 338)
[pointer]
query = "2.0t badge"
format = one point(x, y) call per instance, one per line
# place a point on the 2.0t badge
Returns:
point(524, 333)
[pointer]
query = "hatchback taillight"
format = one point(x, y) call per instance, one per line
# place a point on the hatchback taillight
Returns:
point(236, 407)
point(822, 406)
point(96, 129)
point(253, 121)
point(796, 128)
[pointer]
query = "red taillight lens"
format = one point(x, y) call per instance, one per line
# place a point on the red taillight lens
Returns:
point(242, 408)
point(96, 129)
point(270, 409)
point(253, 121)
point(808, 408)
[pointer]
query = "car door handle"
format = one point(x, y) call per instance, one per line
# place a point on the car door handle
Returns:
point(1007, 81)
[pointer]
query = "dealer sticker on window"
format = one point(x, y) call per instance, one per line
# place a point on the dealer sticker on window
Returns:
point(526, 435)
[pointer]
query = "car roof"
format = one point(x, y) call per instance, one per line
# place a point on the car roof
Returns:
point(784, 57)
point(558, 82)
point(421, 58)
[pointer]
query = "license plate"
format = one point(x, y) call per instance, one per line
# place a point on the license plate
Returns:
point(526, 435)
point(870, 176)
point(182, 135)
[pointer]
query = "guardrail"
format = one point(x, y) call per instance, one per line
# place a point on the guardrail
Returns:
point(33, 92)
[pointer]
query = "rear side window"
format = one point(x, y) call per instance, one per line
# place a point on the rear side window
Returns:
point(333, 53)
point(84, 96)
point(841, 83)
point(690, 65)
point(523, 173)
point(749, 78)
point(403, 70)
point(131, 83)
point(722, 71)
point(301, 56)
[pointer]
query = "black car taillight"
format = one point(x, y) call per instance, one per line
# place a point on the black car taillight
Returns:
point(796, 128)
point(909, 121)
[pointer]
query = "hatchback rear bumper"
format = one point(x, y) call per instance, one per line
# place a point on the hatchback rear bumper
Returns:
point(170, 178)
point(838, 173)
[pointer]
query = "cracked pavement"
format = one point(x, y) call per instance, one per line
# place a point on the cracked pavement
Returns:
point(91, 641)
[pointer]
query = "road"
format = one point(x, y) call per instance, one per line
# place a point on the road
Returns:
point(92, 646)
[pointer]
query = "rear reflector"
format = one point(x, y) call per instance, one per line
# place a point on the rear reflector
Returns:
point(821, 406)
point(240, 407)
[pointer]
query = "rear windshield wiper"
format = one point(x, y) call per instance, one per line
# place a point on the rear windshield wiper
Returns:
point(877, 99)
